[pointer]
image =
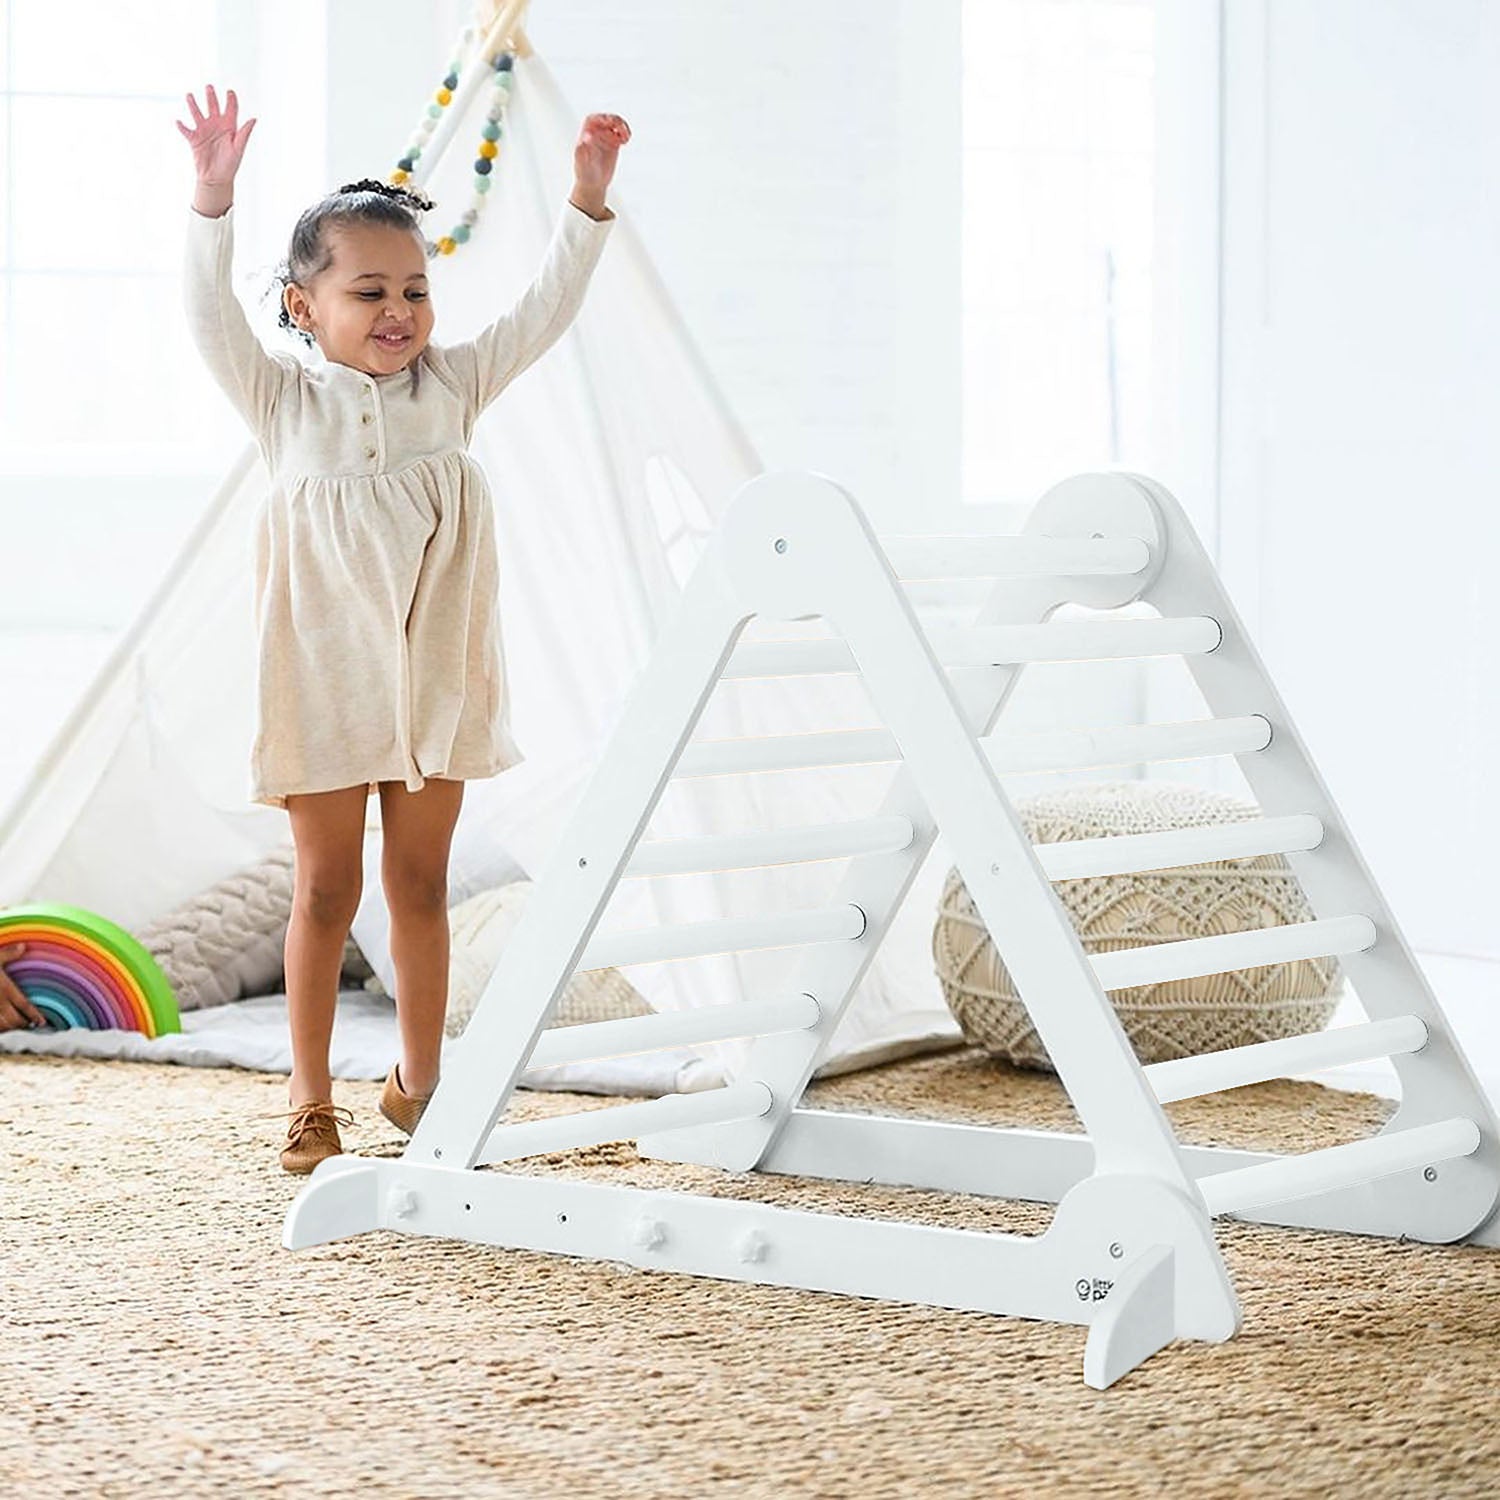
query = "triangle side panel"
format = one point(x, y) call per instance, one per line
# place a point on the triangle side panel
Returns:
point(1437, 1082)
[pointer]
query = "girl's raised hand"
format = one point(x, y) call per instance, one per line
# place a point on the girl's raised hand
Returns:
point(217, 138)
point(599, 143)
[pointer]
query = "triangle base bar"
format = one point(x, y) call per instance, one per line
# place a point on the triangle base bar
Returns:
point(1065, 1275)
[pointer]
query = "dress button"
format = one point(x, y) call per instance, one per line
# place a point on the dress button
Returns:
point(364, 417)
point(369, 453)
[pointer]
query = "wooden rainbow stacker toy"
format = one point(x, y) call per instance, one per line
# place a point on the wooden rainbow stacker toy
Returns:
point(1135, 1208)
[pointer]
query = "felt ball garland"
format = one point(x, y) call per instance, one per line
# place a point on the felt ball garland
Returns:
point(502, 66)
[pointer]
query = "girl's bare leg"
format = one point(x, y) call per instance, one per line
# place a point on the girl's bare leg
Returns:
point(328, 829)
point(418, 834)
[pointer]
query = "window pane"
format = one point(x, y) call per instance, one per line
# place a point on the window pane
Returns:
point(68, 216)
point(5, 180)
point(1058, 184)
point(164, 47)
point(108, 359)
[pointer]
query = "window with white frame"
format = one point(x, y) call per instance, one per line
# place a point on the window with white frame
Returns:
point(1057, 240)
point(94, 183)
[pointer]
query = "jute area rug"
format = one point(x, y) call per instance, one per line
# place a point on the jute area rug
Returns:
point(155, 1339)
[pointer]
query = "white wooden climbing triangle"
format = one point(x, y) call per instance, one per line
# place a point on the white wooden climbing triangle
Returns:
point(1131, 1251)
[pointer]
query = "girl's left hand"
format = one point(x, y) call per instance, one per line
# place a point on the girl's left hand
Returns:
point(599, 143)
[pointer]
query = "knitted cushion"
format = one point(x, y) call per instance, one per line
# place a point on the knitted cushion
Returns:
point(480, 928)
point(1180, 1018)
point(228, 941)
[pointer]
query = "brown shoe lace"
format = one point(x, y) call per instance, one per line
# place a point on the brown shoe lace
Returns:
point(316, 1116)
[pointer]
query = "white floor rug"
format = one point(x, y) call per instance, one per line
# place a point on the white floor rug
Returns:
point(253, 1034)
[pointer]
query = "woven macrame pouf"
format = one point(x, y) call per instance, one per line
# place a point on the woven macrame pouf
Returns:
point(1176, 1019)
point(480, 928)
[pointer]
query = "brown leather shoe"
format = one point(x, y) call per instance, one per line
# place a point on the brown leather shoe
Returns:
point(312, 1134)
point(403, 1110)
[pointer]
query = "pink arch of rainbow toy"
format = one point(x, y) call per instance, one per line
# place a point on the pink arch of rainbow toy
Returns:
point(83, 964)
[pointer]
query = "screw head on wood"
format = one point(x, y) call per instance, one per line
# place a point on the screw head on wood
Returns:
point(650, 1233)
point(753, 1247)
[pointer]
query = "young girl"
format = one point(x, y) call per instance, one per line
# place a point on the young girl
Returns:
point(381, 662)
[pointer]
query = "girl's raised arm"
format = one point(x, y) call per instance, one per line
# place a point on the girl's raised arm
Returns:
point(251, 378)
point(490, 361)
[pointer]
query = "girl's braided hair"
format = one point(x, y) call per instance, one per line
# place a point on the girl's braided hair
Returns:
point(367, 201)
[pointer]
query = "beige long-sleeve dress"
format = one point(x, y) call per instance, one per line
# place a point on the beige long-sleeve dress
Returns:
point(376, 575)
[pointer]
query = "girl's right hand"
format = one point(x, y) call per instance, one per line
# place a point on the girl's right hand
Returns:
point(217, 144)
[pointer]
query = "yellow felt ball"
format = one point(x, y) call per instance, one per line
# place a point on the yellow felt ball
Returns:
point(399, 175)
point(444, 96)
point(447, 245)
point(488, 148)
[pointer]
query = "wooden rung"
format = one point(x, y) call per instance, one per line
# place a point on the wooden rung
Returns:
point(1212, 1072)
point(994, 645)
point(1075, 859)
point(1014, 556)
point(673, 1028)
point(1323, 1171)
point(786, 752)
point(645, 945)
point(1075, 640)
point(1125, 744)
point(777, 846)
point(787, 659)
point(1010, 754)
point(626, 1122)
point(1233, 950)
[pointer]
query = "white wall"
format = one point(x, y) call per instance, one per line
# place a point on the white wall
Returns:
point(1361, 370)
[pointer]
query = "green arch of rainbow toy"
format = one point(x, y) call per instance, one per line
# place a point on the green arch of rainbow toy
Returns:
point(81, 970)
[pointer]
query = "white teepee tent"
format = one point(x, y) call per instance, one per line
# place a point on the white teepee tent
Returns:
point(610, 461)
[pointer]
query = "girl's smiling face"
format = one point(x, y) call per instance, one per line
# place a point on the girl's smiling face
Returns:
point(369, 307)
